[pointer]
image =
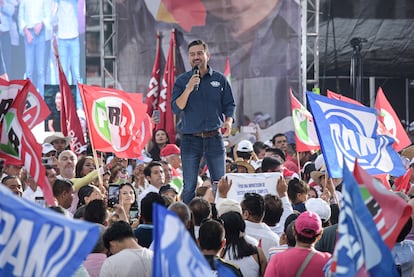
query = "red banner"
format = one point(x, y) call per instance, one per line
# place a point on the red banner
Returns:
point(17, 143)
point(390, 212)
point(167, 120)
point(69, 119)
point(115, 120)
point(153, 91)
point(390, 122)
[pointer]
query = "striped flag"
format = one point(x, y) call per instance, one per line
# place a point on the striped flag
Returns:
point(153, 91)
point(227, 70)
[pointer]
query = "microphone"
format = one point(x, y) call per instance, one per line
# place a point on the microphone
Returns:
point(196, 71)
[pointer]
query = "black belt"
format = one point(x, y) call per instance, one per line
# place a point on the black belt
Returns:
point(207, 134)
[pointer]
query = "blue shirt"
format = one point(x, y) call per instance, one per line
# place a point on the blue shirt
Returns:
point(205, 108)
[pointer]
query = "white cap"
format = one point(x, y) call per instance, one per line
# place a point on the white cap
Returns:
point(320, 207)
point(47, 147)
point(228, 205)
point(320, 162)
point(245, 146)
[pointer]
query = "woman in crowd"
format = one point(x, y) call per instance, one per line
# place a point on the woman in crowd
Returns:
point(249, 258)
point(159, 140)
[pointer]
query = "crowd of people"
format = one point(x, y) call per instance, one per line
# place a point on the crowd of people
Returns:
point(263, 235)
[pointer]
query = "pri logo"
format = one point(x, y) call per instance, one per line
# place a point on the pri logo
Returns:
point(11, 135)
point(304, 126)
point(114, 121)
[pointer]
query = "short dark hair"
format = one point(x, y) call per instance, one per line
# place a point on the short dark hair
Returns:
point(278, 135)
point(9, 177)
point(61, 185)
point(118, 231)
point(211, 235)
point(277, 151)
point(148, 168)
point(269, 164)
point(146, 205)
point(254, 204)
point(198, 42)
point(95, 211)
point(83, 192)
point(200, 209)
point(273, 209)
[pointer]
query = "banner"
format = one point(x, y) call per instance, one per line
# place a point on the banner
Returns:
point(175, 251)
point(391, 122)
point(69, 119)
point(18, 143)
point(167, 119)
point(347, 131)
point(261, 183)
point(305, 133)
point(153, 91)
point(359, 250)
point(36, 241)
point(389, 211)
point(114, 119)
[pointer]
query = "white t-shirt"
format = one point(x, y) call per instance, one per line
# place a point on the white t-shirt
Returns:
point(128, 262)
point(266, 237)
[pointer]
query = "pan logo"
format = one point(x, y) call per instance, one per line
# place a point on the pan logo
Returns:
point(113, 120)
point(353, 133)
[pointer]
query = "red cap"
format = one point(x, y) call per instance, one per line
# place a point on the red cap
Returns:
point(170, 149)
point(308, 224)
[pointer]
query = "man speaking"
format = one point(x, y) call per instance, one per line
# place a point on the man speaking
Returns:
point(204, 100)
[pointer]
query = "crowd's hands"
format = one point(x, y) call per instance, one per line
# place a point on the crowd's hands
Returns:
point(328, 193)
point(224, 186)
point(281, 187)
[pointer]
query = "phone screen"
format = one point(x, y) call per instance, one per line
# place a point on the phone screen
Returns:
point(40, 200)
point(113, 195)
point(133, 214)
point(156, 116)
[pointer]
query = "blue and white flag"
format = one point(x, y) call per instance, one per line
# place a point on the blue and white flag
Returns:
point(347, 131)
point(175, 252)
point(35, 241)
point(360, 250)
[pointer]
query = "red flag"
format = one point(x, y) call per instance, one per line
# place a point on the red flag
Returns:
point(338, 96)
point(17, 143)
point(35, 109)
point(115, 120)
point(167, 120)
point(69, 119)
point(389, 211)
point(391, 122)
point(154, 84)
point(402, 183)
point(186, 13)
point(305, 133)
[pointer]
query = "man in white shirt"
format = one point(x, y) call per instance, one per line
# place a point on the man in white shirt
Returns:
point(253, 211)
point(128, 257)
point(155, 175)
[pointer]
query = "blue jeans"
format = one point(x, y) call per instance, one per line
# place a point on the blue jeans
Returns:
point(35, 57)
point(69, 56)
point(192, 150)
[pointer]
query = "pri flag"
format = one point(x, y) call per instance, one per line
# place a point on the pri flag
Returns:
point(167, 120)
point(153, 91)
point(175, 252)
point(40, 242)
point(347, 131)
point(402, 183)
point(391, 122)
point(305, 132)
point(227, 70)
point(69, 119)
point(17, 143)
point(389, 211)
point(115, 120)
point(35, 109)
point(360, 250)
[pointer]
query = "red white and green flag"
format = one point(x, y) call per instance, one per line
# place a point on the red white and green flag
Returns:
point(116, 120)
point(18, 144)
point(227, 70)
point(305, 133)
point(153, 91)
point(390, 123)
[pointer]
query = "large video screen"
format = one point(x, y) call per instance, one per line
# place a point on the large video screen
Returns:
point(28, 29)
